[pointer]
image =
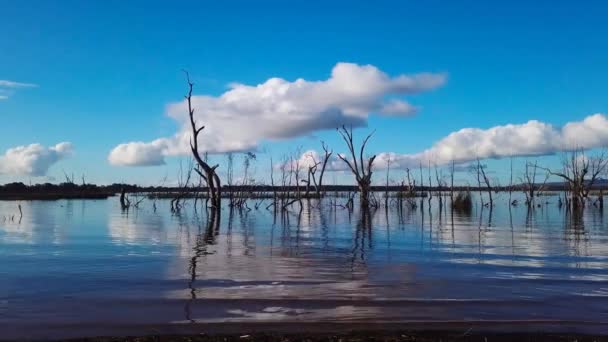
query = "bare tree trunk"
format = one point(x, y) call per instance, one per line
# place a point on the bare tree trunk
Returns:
point(326, 157)
point(511, 182)
point(452, 183)
point(213, 181)
point(363, 174)
point(124, 201)
point(486, 180)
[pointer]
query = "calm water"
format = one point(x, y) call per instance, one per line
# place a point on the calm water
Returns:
point(74, 268)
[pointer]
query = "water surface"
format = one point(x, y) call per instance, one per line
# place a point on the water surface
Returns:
point(84, 267)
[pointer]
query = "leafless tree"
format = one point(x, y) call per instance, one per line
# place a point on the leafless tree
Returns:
point(388, 170)
point(511, 182)
point(327, 154)
point(207, 172)
point(452, 170)
point(529, 182)
point(124, 200)
point(294, 175)
point(486, 180)
point(430, 185)
point(580, 173)
point(362, 170)
point(441, 184)
point(183, 182)
point(311, 176)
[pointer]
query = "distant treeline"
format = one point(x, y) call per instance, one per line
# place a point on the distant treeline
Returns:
point(21, 191)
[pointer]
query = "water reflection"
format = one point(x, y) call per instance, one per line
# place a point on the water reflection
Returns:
point(399, 262)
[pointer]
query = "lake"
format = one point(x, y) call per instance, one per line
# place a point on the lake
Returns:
point(74, 268)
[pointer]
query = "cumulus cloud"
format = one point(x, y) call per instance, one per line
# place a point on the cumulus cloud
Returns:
point(34, 159)
point(139, 153)
point(533, 138)
point(245, 115)
point(7, 88)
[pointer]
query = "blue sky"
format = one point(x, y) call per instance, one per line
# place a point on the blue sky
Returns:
point(106, 70)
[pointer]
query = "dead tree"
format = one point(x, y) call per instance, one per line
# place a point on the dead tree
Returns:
point(580, 173)
point(486, 180)
point(511, 182)
point(182, 184)
point(440, 186)
point(208, 173)
point(362, 173)
point(326, 157)
point(294, 174)
point(430, 185)
point(124, 200)
point(452, 169)
point(421, 184)
point(312, 172)
point(529, 180)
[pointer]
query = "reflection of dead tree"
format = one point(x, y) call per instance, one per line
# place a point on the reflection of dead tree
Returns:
point(580, 173)
point(208, 173)
point(362, 176)
point(203, 239)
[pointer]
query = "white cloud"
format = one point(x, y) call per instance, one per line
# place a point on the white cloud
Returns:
point(139, 153)
point(7, 88)
point(533, 138)
point(34, 159)
point(13, 84)
point(244, 116)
